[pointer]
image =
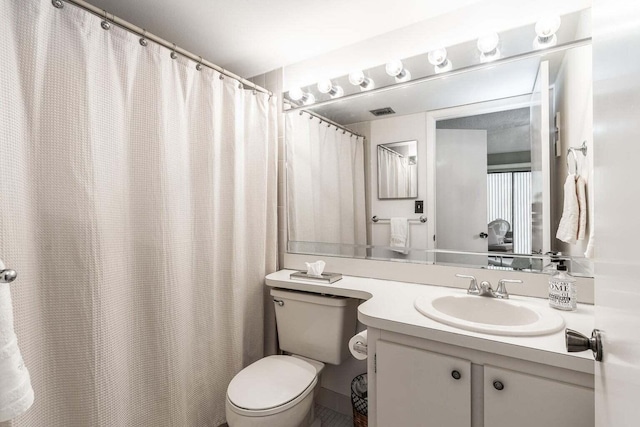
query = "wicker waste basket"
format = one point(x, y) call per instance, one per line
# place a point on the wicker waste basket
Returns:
point(359, 400)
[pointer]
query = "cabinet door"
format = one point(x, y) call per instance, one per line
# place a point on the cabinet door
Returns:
point(417, 388)
point(530, 401)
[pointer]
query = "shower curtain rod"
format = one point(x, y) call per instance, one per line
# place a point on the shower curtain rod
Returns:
point(324, 119)
point(389, 149)
point(147, 35)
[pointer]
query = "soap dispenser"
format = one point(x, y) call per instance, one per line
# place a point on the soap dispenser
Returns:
point(562, 290)
point(555, 260)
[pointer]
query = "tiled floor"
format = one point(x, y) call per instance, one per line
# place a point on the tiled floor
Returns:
point(330, 418)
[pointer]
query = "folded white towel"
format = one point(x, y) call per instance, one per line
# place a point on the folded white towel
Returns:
point(399, 235)
point(16, 394)
point(569, 223)
point(581, 193)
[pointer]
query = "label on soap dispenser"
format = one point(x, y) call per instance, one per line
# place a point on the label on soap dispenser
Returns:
point(562, 294)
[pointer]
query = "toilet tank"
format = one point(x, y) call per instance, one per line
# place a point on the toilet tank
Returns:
point(315, 326)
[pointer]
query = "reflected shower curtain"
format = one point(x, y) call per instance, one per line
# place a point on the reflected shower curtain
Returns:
point(400, 176)
point(138, 205)
point(325, 188)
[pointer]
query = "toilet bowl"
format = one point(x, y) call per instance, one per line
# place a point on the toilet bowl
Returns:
point(276, 391)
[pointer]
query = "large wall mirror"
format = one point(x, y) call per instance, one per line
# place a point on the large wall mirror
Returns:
point(486, 153)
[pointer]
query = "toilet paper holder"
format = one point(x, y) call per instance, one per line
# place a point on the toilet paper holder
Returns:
point(360, 347)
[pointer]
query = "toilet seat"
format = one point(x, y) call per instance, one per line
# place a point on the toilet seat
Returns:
point(271, 385)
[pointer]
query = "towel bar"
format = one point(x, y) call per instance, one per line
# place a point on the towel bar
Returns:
point(8, 276)
point(422, 219)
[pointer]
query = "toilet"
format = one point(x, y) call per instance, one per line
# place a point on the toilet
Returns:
point(278, 391)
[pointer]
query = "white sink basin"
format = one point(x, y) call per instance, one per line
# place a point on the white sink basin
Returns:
point(490, 315)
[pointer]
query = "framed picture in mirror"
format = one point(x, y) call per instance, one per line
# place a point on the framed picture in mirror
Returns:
point(398, 170)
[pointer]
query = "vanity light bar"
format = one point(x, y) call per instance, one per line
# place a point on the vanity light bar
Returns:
point(473, 67)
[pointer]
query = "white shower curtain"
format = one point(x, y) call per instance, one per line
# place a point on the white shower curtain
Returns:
point(325, 188)
point(397, 178)
point(138, 205)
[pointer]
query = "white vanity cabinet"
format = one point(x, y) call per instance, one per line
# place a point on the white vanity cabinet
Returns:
point(415, 385)
point(418, 382)
point(534, 401)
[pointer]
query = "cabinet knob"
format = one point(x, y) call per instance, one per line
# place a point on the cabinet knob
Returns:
point(498, 385)
point(456, 375)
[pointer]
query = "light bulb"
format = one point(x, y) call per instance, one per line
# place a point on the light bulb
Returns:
point(396, 69)
point(437, 56)
point(393, 68)
point(488, 43)
point(444, 67)
point(356, 77)
point(548, 26)
point(488, 47)
point(403, 76)
point(308, 99)
point(336, 92)
point(325, 86)
point(546, 32)
point(296, 94)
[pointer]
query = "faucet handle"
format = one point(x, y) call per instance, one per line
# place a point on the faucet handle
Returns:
point(501, 292)
point(474, 289)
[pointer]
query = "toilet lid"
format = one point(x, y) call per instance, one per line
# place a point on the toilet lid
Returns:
point(270, 382)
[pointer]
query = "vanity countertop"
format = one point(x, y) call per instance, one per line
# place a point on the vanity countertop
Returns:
point(389, 306)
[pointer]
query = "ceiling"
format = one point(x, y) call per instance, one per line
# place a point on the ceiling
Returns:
point(251, 37)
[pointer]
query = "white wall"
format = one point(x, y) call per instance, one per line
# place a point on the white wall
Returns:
point(395, 129)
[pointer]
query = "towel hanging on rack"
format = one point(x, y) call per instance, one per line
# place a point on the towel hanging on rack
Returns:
point(16, 394)
point(573, 223)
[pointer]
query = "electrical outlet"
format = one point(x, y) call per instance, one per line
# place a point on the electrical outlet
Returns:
point(419, 206)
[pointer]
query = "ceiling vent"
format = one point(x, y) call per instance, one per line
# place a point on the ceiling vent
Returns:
point(382, 111)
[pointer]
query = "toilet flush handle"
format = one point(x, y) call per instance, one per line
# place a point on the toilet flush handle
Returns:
point(279, 302)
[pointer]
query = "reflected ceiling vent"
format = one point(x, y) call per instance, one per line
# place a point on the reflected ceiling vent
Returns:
point(382, 111)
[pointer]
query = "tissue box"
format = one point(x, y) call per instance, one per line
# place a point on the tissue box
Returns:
point(324, 278)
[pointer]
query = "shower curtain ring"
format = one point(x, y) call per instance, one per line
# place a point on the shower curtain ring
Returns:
point(240, 86)
point(105, 23)
point(143, 40)
point(199, 64)
point(255, 91)
point(57, 4)
point(174, 55)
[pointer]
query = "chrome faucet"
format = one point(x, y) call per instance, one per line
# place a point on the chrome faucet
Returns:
point(485, 289)
point(474, 289)
point(501, 292)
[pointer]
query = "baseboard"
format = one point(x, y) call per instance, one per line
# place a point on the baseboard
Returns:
point(335, 401)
